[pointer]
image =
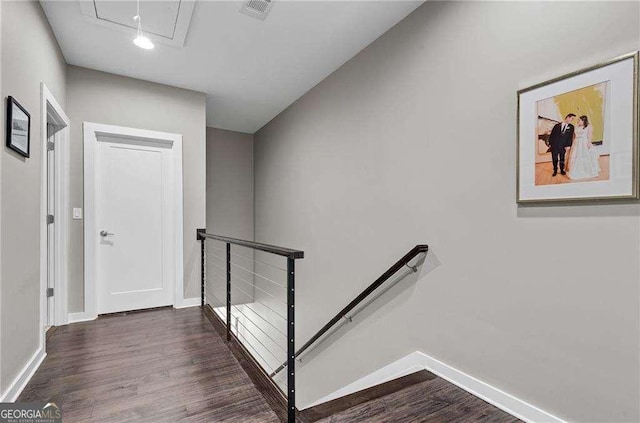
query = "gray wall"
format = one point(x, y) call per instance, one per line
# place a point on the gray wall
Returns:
point(110, 99)
point(30, 55)
point(229, 208)
point(230, 183)
point(413, 141)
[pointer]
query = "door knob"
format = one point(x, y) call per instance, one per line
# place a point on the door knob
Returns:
point(104, 233)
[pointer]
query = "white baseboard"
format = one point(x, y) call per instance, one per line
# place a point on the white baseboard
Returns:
point(417, 361)
point(188, 302)
point(80, 317)
point(15, 388)
point(504, 401)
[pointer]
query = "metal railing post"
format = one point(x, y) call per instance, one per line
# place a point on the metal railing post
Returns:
point(200, 237)
point(291, 345)
point(228, 292)
point(202, 267)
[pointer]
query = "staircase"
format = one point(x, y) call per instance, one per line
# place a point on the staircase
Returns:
point(249, 297)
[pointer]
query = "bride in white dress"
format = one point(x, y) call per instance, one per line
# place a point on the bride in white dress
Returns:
point(583, 162)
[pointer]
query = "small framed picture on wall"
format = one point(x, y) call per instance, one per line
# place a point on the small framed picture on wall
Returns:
point(578, 135)
point(18, 127)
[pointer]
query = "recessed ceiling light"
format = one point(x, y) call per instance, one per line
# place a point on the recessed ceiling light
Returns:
point(143, 42)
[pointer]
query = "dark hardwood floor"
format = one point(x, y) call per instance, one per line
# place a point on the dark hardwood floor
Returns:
point(169, 365)
point(162, 365)
point(434, 400)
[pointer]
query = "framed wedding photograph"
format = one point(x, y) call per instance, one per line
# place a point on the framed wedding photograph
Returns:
point(18, 127)
point(578, 135)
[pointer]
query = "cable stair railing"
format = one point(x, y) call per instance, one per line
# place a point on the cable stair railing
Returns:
point(249, 291)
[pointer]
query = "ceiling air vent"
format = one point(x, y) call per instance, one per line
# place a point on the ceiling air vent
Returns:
point(258, 9)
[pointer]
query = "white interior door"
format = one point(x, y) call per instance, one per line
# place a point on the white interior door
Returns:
point(134, 191)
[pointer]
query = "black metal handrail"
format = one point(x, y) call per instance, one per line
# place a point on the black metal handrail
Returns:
point(273, 249)
point(291, 256)
point(404, 261)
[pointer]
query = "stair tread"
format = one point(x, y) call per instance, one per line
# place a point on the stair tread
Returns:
point(433, 400)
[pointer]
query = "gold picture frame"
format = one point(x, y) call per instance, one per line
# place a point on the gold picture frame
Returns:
point(614, 158)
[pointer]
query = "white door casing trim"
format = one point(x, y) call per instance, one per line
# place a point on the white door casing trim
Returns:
point(188, 302)
point(91, 131)
point(80, 317)
point(51, 109)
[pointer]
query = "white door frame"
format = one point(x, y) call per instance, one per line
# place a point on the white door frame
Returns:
point(91, 132)
point(50, 110)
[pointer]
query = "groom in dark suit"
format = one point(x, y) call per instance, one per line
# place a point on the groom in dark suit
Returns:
point(560, 139)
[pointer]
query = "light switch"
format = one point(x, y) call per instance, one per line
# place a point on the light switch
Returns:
point(77, 213)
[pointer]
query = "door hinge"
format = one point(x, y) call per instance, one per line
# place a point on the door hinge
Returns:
point(49, 292)
point(49, 219)
point(50, 146)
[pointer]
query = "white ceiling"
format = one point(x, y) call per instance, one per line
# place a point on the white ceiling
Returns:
point(250, 70)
